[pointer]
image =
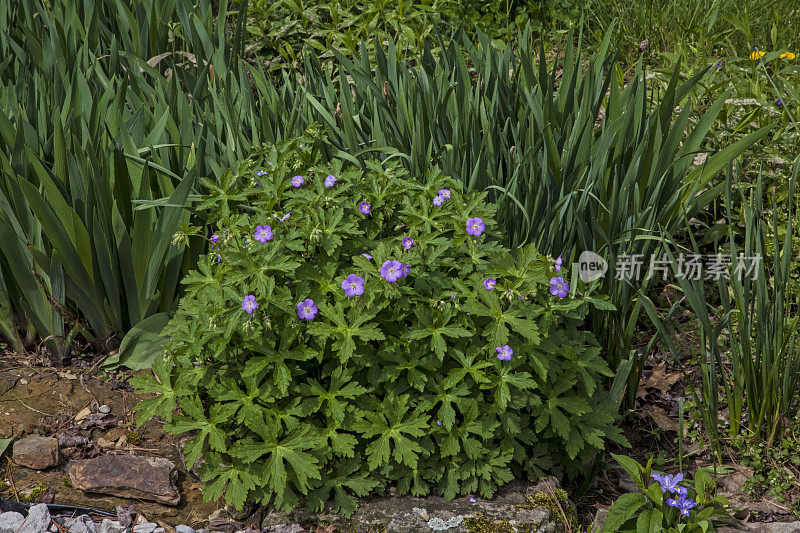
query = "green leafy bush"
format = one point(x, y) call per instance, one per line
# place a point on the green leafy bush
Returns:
point(399, 384)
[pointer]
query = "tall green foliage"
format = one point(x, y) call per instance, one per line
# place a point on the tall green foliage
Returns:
point(108, 105)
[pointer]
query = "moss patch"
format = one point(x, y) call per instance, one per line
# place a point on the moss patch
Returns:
point(133, 438)
point(480, 524)
point(558, 507)
point(33, 495)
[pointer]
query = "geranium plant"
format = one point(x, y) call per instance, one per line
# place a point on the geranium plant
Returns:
point(353, 328)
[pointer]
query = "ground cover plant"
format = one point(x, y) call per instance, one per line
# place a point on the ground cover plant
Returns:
point(362, 328)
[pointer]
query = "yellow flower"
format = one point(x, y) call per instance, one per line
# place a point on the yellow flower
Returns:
point(788, 55)
point(755, 55)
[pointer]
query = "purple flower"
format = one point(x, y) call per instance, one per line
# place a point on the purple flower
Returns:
point(444, 193)
point(263, 234)
point(215, 238)
point(438, 201)
point(683, 503)
point(438, 422)
point(391, 270)
point(364, 208)
point(720, 64)
point(489, 283)
point(306, 309)
point(558, 263)
point(330, 180)
point(297, 181)
point(475, 226)
point(406, 270)
point(260, 173)
point(367, 256)
point(249, 304)
point(559, 287)
point(286, 216)
point(219, 258)
point(353, 285)
point(668, 482)
point(504, 352)
point(408, 242)
point(472, 499)
point(779, 102)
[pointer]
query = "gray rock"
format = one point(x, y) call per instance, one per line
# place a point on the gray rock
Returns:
point(10, 521)
point(37, 521)
point(128, 476)
point(599, 521)
point(111, 526)
point(37, 453)
point(772, 527)
point(183, 528)
point(80, 524)
point(104, 409)
point(147, 527)
point(407, 514)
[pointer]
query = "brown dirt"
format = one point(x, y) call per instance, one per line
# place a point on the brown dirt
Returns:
point(44, 401)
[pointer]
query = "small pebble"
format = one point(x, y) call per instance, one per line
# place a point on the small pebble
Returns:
point(104, 409)
point(183, 528)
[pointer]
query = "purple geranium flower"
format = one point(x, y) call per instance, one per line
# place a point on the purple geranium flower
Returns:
point(472, 499)
point(367, 256)
point(297, 181)
point(720, 64)
point(286, 216)
point(306, 309)
point(353, 285)
point(504, 352)
point(330, 180)
point(260, 173)
point(475, 226)
point(406, 270)
point(408, 242)
point(263, 234)
point(558, 263)
point(779, 102)
point(364, 208)
point(444, 193)
point(249, 304)
point(559, 287)
point(668, 482)
point(489, 283)
point(683, 504)
point(439, 200)
point(438, 422)
point(391, 270)
point(215, 238)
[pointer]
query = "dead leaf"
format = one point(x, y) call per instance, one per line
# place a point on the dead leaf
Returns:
point(660, 417)
point(659, 380)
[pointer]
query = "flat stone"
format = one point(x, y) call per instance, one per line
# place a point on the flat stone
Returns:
point(127, 476)
point(10, 521)
point(37, 521)
point(38, 453)
point(183, 528)
point(111, 526)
